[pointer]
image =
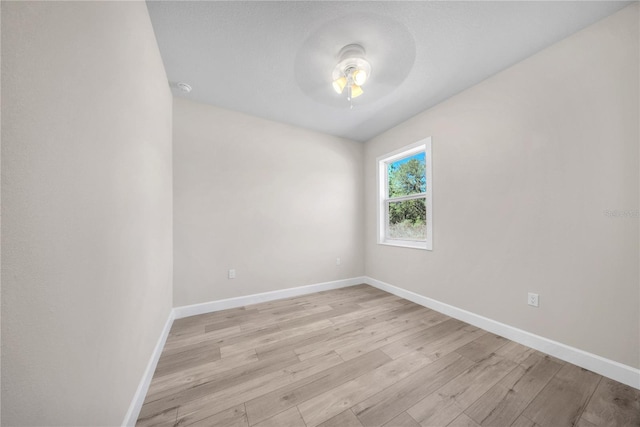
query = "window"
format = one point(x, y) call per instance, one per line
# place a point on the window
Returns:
point(404, 188)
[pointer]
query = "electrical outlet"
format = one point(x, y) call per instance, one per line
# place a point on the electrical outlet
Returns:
point(338, 261)
point(533, 299)
point(232, 273)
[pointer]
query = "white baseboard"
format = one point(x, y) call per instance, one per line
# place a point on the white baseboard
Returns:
point(138, 398)
point(600, 365)
point(209, 307)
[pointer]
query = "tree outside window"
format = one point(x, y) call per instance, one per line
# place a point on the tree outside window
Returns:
point(405, 197)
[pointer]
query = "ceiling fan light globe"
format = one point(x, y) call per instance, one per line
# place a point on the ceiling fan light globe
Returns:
point(339, 84)
point(359, 77)
point(356, 91)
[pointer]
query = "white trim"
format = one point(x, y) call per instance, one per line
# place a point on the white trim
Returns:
point(411, 244)
point(208, 307)
point(403, 198)
point(402, 152)
point(138, 398)
point(617, 371)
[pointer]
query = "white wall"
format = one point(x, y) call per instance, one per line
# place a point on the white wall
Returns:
point(525, 164)
point(275, 202)
point(86, 209)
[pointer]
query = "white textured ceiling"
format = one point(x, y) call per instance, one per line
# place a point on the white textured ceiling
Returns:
point(274, 59)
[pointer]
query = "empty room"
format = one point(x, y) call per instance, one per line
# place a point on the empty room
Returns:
point(320, 213)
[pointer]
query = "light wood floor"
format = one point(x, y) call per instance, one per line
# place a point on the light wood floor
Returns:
point(359, 356)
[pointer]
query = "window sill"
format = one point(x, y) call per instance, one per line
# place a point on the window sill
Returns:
point(406, 244)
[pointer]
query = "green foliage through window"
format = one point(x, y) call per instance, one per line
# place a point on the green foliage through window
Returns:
point(407, 176)
point(407, 218)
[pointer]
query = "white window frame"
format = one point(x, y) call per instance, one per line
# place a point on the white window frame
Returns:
point(383, 199)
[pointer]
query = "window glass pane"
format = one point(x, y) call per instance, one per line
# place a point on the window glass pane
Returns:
point(407, 176)
point(408, 219)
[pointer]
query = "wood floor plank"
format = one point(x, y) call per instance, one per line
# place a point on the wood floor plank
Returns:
point(373, 341)
point(232, 417)
point(220, 382)
point(343, 419)
point(290, 418)
point(505, 401)
point(295, 393)
point(277, 316)
point(177, 344)
point(402, 420)
point(351, 300)
point(482, 347)
point(188, 325)
point(179, 332)
point(613, 404)
point(308, 339)
point(562, 401)
point(584, 423)
point(359, 356)
point(166, 418)
point(175, 362)
point(302, 300)
point(311, 350)
point(422, 313)
point(465, 421)
point(331, 403)
point(390, 402)
point(373, 314)
point(451, 342)
point(274, 337)
point(191, 348)
point(287, 309)
point(225, 324)
point(411, 343)
point(203, 319)
point(244, 336)
point(174, 383)
point(380, 298)
point(390, 331)
point(317, 317)
point(523, 421)
point(282, 314)
point(227, 397)
point(520, 353)
point(514, 351)
point(388, 300)
point(448, 402)
point(335, 342)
